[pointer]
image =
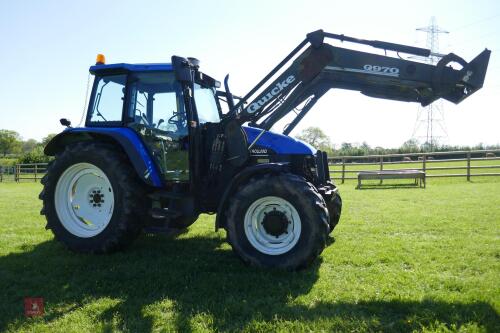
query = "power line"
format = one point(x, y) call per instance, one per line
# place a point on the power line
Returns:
point(430, 126)
point(476, 22)
point(476, 38)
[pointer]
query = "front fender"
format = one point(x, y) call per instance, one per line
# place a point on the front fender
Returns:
point(124, 137)
point(241, 178)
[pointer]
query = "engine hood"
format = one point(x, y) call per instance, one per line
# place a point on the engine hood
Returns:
point(279, 143)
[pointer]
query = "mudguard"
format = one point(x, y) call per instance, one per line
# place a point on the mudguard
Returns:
point(239, 179)
point(125, 137)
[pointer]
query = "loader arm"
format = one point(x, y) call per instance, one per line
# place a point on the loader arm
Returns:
point(317, 67)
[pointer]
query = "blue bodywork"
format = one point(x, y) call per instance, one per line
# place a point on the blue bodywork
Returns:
point(129, 140)
point(131, 68)
point(279, 143)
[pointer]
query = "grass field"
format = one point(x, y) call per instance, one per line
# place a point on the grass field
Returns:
point(485, 164)
point(402, 259)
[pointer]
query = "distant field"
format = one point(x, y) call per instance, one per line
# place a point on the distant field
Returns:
point(401, 260)
point(334, 169)
point(418, 165)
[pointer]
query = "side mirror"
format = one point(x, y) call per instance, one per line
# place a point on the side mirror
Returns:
point(65, 122)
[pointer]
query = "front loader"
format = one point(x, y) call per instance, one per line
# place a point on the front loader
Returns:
point(157, 150)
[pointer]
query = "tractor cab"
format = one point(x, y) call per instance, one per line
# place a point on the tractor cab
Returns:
point(168, 113)
point(148, 99)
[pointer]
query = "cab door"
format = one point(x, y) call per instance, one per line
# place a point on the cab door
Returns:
point(157, 113)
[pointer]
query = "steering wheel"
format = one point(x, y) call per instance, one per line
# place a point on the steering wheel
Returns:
point(171, 120)
point(181, 121)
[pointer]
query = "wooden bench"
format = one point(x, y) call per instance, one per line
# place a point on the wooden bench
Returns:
point(417, 175)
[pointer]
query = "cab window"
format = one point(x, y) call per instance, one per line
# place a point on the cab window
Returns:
point(107, 104)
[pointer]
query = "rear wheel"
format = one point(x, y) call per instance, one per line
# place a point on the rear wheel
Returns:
point(277, 221)
point(92, 198)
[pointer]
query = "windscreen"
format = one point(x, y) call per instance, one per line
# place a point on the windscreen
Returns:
point(206, 104)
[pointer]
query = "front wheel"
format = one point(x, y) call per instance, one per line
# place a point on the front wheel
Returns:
point(334, 205)
point(277, 221)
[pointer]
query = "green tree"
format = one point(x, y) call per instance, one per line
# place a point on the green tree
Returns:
point(34, 156)
point(410, 146)
point(29, 145)
point(365, 148)
point(316, 138)
point(10, 142)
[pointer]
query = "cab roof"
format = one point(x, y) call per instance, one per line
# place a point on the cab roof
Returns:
point(124, 68)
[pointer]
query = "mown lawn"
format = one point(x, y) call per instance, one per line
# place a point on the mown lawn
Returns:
point(402, 259)
point(485, 166)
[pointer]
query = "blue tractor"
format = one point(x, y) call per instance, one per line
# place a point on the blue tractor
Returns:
point(163, 144)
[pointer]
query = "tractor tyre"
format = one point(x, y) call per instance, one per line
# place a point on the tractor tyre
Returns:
point(334, 210)
point(92, 198)
point(277, 221)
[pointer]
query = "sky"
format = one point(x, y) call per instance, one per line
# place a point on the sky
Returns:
point(47, 47)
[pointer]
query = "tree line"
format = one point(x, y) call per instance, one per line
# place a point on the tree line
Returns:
point(18, 150)
point(317, 138)
point(31, 151)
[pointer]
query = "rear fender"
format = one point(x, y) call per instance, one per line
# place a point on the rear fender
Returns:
point(124, 137)
point(240, 178)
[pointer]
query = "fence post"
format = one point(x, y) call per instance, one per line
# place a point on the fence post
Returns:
point(381, 167)
point(424, 159)
point(36, 171)
point(16, 174)
point(468, 166)
point(1, 174)
point(343, 170)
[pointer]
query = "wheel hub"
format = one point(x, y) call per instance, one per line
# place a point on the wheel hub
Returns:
point(96, 198)
point(272, 225)
point(275, 223)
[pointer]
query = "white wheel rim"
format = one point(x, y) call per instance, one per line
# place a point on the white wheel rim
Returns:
point(257, 235)
point(84, 200)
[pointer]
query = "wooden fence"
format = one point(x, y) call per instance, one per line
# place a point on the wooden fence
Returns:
point(22, 172)
point(340, 165)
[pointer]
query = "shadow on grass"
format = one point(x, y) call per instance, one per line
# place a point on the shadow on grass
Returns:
point(170, 281)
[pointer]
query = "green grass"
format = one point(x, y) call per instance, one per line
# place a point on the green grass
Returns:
point(402, 260)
